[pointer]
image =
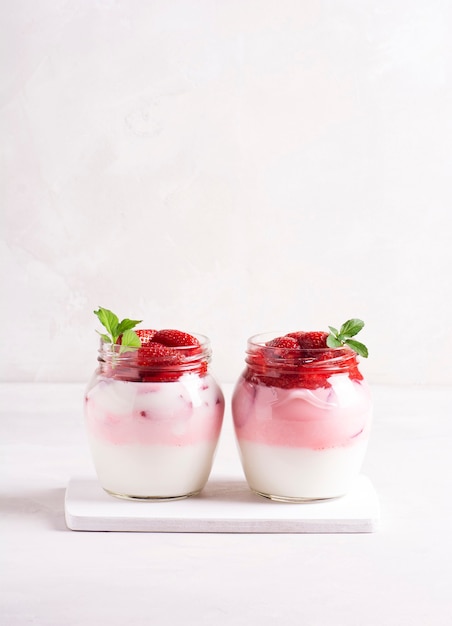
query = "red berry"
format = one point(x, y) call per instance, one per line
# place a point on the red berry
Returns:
point(161, 355)
point(283, 342)
point(146, 335)
point(175, 338)
point(256, 358)
point(155, 354)
point(311, 340)
point(298, 359)
point(282, 348)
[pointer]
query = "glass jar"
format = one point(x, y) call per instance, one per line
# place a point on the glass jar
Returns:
point(302, 423)
point(153, 430)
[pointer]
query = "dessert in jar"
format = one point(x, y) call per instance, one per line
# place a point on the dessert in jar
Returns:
point(302, 413)
point(153, 411)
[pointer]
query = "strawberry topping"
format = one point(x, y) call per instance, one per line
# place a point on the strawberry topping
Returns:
point(164, 355)
point(175, 338)
point(283, 342)
point(312, 340)
point(146, 336)
point(299, 359)
point(157, 354)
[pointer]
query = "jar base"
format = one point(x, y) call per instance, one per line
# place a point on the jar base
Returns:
point(125, 496)
point(295, 499)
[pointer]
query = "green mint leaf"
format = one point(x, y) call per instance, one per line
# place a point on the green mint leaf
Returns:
point(342, 338)
point(358, 347)
point(110, 321)
point(126, 324)
point(351, 328)
point(333, 342)
point(129, 341)
point(105, 338)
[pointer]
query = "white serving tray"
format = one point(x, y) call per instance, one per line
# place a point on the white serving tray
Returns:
point(224, 506)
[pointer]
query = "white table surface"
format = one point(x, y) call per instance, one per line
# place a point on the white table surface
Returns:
point(400, 575)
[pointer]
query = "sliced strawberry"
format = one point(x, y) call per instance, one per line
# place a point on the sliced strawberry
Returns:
point(160, 357)
point(256, 359)
point(300, 359)
point(175, 338)
point(282, 348)
point(283, 342)
point(311, 340)
point(146, 335)
point(188, 344)
point(155, 354)
point(155, 363)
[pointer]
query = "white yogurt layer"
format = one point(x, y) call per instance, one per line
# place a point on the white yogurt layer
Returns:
point(152, 471)
point(301, 473)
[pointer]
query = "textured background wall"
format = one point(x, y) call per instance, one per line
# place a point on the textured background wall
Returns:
point(226, 167)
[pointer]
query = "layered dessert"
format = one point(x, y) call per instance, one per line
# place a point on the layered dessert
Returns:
point(153, 415)
point(302, 413)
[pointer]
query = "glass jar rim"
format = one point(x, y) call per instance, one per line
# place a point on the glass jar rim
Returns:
point(260, 340)
point(204, 341)
point(310, 359)
point(190, 356)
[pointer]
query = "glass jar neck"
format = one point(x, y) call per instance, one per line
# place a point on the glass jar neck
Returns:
point(152, 364)
point(288, 367)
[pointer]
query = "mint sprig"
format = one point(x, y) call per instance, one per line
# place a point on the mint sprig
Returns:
point(342, 337)
point(116, 329)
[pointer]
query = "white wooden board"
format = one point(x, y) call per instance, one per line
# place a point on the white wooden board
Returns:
point(224, 506)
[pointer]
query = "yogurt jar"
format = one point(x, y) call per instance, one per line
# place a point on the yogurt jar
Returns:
point(302, 419)
point(153, 417)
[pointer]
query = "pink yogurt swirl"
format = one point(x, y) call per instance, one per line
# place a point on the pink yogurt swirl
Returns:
point(336, 415)
point(170, 413)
